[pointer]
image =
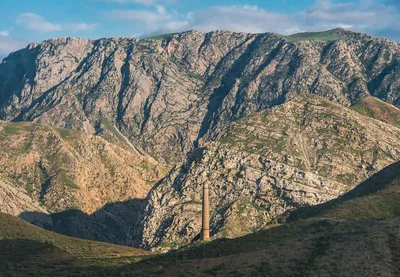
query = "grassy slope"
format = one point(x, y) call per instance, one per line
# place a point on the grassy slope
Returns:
point(89, 252)
point(375, 108)
point(161, 36)
point(329, 35)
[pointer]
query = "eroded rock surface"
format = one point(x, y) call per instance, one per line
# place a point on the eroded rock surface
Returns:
point(304, 152)
point(63, 169)
point(169, 95)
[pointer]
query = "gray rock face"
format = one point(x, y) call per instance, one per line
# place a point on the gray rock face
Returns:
point(169, 95)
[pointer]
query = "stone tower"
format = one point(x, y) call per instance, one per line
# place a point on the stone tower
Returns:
point(205, 230)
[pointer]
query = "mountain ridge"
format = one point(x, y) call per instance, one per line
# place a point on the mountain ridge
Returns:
point(209, 79)
point(338, 31)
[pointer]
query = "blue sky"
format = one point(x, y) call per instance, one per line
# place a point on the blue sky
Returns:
point(24, 21)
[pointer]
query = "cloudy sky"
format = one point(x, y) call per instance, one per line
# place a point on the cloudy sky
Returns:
point(24, 21)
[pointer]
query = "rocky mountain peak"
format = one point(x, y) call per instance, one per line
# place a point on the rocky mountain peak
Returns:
point(181, 90)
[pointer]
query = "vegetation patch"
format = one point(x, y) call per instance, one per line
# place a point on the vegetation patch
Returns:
point(66, 180)
point(194, 202)
point(110, 127)
point(377, 109)
point(383, 204)
point(330, 35)
point(162, 36)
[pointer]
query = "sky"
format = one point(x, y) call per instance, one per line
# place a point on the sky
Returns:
point(25, 21)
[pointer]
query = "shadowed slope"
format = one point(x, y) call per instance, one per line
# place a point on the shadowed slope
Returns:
point(91, 252)
point(119, 222)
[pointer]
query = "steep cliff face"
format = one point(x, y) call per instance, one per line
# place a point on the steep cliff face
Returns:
point(304, 152)
point(48, 169)
point(169, 95)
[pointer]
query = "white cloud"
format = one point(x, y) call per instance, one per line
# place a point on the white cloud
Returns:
point(364, 16)
point(241, 19)
point(4, 33)
point(150, 18)
point(161, 9)
point(35, 22)
point(81, 26)
point(142, 2)
point(138, 16)
point(368, 16)
point(234, 18)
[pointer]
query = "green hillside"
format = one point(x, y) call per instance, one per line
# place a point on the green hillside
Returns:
point(161, 36)
point(87, 252)
point(329, 35)
point(375, 108)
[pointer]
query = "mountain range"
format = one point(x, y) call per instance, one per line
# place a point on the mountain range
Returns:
point(111, 140)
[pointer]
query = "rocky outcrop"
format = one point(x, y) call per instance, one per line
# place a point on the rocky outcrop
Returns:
point(62, 169)
point(14, 200)
point(170, 95)
point(304, 152)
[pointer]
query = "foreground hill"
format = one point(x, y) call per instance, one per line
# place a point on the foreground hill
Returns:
point(50, 170)
point(174, 93)
point(355, 235)
point(304, 152)
point(28, 250)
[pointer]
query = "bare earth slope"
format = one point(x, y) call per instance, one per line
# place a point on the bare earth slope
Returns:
point(167, 95)
point(61, 169)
